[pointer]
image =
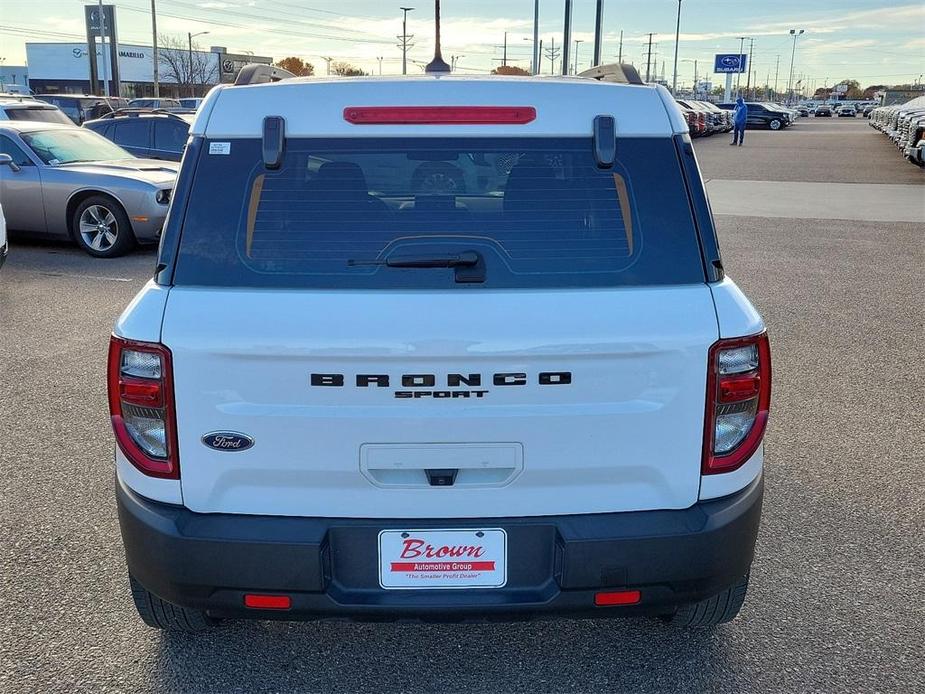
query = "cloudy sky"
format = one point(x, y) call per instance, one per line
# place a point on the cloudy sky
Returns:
point(868, 40)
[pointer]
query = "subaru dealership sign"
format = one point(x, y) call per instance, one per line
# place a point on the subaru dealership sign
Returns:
point(730, 62)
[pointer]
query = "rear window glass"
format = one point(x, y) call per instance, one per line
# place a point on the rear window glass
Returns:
point(44, 115)
point(538, 212)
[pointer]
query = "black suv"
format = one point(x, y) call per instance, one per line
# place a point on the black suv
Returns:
point(145, 133)
point(762, 115)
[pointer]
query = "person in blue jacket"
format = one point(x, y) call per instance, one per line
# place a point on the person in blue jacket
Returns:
point(739, 117)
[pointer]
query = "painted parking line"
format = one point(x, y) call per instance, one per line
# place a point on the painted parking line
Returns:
point(871, 202)
point(87, 277)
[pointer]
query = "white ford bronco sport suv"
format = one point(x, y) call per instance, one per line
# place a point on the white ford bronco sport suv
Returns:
point(441, 348)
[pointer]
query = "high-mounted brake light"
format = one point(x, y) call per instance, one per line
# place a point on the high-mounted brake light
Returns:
point(738, 402)
point(439, 115)
point(141, 406)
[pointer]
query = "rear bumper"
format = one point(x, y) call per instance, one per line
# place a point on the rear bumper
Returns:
point(329, 567)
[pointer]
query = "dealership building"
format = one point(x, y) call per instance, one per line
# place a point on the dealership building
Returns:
point(64, 68)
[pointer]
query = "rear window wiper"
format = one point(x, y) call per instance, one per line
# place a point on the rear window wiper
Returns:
point(464, 259)
point(469, 264)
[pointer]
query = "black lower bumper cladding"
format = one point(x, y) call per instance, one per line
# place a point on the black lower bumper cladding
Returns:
point(329, 567)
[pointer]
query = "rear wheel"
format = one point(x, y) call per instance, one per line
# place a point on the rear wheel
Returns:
point(102, 228)
point(719, 609)
point(774, 124)
point(159, 614)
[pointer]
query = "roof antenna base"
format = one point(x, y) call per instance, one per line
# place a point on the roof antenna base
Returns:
point(438, 65)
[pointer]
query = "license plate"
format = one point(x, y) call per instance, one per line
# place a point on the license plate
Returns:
point(435, 559)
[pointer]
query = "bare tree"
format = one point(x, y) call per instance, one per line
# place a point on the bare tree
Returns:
point(345, 69)
point(176, 64)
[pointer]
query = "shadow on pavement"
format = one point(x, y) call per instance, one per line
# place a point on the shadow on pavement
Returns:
point(572, 655)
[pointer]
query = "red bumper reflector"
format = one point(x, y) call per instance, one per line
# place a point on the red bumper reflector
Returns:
point(267, 602)
point(617, 597)
point(439, 115)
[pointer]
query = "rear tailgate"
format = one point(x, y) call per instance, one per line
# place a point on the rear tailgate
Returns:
point(615, 424)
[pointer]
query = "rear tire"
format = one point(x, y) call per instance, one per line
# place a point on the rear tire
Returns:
point(160, 614)
point(719, 609)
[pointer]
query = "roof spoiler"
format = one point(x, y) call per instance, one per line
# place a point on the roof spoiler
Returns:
point(258, 73)
point(613, 72)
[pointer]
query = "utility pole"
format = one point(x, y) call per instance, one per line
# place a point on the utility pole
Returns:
point(404, 40)
point(677, 36)
point(620, 53)
point(552, 53)
point(649, 59)
point(793, 52)
point(537, 44)
point(156, 58)
point(748, 82)
point(577, 41)
point(327, 59)
point(598, 28)
point(566, 36)
point(380, 64)
point(504, 58)
point(776, 71)
point(739, 73)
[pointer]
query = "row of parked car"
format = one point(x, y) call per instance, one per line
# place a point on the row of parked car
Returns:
point(905, 126)
point(705, 118)
point(106, 184)
point(80, 108)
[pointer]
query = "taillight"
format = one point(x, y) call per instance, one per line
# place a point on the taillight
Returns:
point(738, 401)
point(141, 405)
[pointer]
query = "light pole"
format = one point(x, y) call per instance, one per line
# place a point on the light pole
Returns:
point(688, 60)
point(533, 63)
point(677, 36)
point(577, 41)
point(794, 33)
point(379, 58)
point(156, 57)
point(404, 39)
point(742, 40)
point(190, 37)
point(453, 60)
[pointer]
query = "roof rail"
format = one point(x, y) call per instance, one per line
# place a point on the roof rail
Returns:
point(613, 72)
point(139, 111)
point(258, 73)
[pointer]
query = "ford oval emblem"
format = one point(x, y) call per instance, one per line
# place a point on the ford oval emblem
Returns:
point(228, 441)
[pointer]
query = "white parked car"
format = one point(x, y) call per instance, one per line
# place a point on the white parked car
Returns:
point(442, 347)
point(25, 108)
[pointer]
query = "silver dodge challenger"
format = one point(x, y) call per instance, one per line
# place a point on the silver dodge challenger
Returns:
point(61, 181)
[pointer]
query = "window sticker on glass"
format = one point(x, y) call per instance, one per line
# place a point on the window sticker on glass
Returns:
point(219, 148)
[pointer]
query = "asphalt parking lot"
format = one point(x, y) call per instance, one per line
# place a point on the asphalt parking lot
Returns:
point(835, 602)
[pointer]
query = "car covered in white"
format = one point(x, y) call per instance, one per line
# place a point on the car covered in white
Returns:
point(439, 347)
